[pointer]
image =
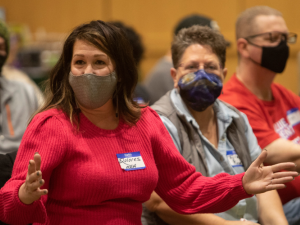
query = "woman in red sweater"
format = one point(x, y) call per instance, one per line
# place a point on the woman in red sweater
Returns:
point(103, 155)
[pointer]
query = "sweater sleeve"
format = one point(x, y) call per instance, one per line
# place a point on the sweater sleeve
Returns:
point(185, 190)
point(45, 134)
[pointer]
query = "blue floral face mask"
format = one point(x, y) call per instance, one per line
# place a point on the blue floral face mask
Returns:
point(200, 89)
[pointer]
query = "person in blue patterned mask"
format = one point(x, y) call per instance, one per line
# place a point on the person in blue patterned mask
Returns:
point(210, 134)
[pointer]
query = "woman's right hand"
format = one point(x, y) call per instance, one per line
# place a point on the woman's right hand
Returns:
point(30, 190)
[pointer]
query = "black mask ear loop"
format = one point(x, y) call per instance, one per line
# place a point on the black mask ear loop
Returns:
point(257, 47)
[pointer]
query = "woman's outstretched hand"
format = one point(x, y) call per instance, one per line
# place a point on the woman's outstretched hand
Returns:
point(259, 178)
point(30, 191)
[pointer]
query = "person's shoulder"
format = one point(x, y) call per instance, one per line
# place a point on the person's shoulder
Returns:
point(149, 118)
point(233, 87)
point(282, 91)
point(25, 90)
point(160, 72)
point(51, 116)
point(148, 113)
point(236, 94)
point(23, 86)
point(162, 64)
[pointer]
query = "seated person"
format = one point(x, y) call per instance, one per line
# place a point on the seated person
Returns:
point(158, 82)
point(11, 70)
point(17, 103)
point(210, 134)
point(272, 110)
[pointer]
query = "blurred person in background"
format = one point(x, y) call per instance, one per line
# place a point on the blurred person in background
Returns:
point(158, 82)
point(11, 70)
point(18, 102)
point(140, 93)
point(103, 154)
point(210, 134)
point(273, 111)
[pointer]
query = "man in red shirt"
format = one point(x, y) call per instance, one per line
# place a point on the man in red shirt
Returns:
point(273, 111)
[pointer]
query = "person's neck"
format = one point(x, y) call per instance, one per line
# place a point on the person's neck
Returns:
point(205, 119)
point(256, 78)
point(103, 117)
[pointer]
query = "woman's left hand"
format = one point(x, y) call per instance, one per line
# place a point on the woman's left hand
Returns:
point(259, 178)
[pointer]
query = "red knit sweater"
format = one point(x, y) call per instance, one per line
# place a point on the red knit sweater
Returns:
point(87, 185)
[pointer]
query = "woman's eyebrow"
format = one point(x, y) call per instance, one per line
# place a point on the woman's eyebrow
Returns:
point(96, 55)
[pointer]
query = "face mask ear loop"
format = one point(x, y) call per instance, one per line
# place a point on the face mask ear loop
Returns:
point(257, 47)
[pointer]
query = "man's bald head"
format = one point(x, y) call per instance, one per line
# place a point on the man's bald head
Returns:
point(245, 24)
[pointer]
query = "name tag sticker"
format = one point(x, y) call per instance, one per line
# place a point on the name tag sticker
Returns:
point(233, 159)
point(131, 161)
point(293, 116)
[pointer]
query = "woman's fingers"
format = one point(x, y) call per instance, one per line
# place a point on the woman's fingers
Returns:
point(30, 190)
point(34, 177)
point(260, 159)
point(37, 184)
point(31, 167)
point(37, 159)
point(42, 192)
point(282, 180)
point(285, 174)
point(283, 166)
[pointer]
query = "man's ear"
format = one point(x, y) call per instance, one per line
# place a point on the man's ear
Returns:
point(224, 73)
point(242, 47)
point(173, 72)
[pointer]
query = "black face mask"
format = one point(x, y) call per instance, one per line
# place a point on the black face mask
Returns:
point(274, 58)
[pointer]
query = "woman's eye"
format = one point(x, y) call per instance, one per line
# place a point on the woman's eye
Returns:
point(79, 62)
point(100, 62)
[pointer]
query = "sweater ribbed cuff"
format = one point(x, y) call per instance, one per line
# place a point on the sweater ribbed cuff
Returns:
point(35, 212)
point(238, 188)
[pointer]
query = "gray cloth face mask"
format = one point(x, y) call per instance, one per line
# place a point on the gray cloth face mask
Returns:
point(93, 91)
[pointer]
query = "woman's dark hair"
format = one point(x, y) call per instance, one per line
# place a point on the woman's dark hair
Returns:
point(112, 41)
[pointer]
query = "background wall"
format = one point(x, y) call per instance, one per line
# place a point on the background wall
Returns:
point(154, 20)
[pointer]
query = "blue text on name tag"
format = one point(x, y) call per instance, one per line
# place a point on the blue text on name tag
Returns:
point(293, 116)
point(131, 161)
point(233, 158)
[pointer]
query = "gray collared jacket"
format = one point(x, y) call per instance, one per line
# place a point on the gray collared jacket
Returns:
point(18, 102)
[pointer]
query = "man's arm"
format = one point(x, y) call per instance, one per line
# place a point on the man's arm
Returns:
point(157, 205)
point(270, 209)
point(279, 149)
point(282, 150)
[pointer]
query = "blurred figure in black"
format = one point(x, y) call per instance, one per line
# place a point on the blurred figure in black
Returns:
point(140, 94)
